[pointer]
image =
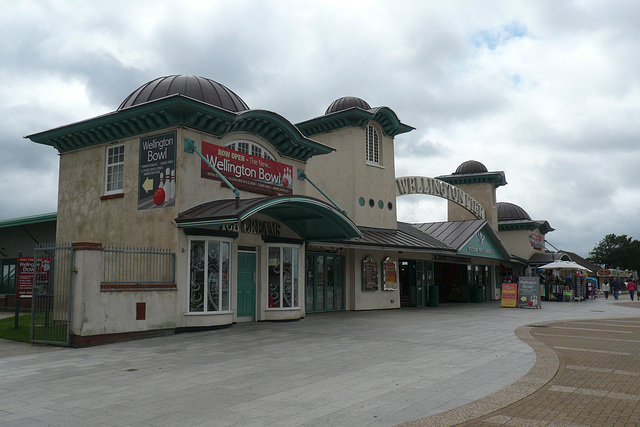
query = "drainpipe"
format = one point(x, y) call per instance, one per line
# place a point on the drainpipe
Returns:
point(302, 176)
point(190, 147)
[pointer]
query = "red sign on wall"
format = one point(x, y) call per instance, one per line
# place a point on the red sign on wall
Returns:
point(247, 172)
point(24, 275)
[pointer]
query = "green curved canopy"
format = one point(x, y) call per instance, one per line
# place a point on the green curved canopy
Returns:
point(309, 218)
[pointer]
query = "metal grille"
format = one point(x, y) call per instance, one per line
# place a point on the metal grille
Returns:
point(136, 266)
point(51, 297)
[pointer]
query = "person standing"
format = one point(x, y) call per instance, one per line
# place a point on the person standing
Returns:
point(615, 287)
point(606, 288)
point(631, 287)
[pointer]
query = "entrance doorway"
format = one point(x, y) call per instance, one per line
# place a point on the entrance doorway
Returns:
point(453, 281)
point(416, 277)
point(324, 282)
point(246, 286)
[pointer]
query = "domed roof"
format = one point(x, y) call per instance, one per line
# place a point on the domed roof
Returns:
point(347, 102)
point(509, 211)
point(470, 166)
point(200, 88)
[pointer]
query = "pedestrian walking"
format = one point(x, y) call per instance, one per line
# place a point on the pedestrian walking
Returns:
point(606, 288)
point(615, 287)
point(631, 287)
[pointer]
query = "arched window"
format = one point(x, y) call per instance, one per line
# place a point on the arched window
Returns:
point(252, 148)
point(373, 145)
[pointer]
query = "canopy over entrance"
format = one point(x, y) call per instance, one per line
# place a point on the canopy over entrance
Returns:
point(309, 218)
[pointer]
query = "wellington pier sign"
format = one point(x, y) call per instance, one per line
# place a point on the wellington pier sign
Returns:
point(434, 187)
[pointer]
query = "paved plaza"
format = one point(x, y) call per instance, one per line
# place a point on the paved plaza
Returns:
point(457, 363)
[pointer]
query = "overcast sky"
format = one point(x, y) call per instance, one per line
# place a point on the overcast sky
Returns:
point(546, 91)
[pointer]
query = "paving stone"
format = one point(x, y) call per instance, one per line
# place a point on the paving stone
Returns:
point(457, 363)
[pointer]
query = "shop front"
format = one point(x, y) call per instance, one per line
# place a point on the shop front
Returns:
point(324, 280)
point(257, 248)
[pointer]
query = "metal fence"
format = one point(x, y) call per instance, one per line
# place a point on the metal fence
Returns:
point(136, 266)
point(51, 294)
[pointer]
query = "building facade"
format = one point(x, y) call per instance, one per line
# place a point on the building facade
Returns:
point(264, 219)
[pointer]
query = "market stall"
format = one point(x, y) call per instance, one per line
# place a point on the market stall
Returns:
point(569, 282)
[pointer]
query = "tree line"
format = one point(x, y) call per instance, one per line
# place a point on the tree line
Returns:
point(617, 252)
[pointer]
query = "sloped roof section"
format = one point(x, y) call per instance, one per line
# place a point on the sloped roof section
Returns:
point(28, 220)
point(452, 233)
point(458, 234)
point(583, 262)
point(404, 237)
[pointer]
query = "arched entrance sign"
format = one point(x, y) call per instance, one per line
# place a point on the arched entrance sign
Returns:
point(434, 187)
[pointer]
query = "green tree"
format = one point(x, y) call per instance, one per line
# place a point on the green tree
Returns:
point(617, 252)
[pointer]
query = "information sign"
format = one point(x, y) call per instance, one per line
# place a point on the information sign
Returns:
point(529, 292)
point(509, 294)
point(24, 275)
point(369, 274)
point(389, 271)
point(157, 171)
point(247, 172)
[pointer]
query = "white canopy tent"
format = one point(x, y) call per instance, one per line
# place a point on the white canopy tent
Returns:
point(563, 265)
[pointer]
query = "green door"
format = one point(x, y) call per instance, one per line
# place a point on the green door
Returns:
point(246, 284)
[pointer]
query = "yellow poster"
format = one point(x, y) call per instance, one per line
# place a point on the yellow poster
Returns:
point(509, 294)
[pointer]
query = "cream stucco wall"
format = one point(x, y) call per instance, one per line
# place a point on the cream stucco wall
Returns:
point(370, 300)
point(483, 193)
point(83, 216)
point(97, 313)
point(346, 177)
point(517, 241)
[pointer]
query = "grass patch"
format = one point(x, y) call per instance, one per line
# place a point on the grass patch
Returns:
point(7, 330)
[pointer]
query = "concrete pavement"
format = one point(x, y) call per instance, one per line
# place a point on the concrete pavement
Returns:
point(455, 363)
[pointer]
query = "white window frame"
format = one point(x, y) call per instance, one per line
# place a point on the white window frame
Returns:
point(295, 277)
point(205, 310)
point(372, 145)
point(114, 167)
point(250, 147)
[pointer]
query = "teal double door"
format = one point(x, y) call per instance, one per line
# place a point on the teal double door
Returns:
point(324, 282)
point(416, 277)
point(246, 285)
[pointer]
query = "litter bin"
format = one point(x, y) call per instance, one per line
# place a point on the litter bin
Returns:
point(434, 296)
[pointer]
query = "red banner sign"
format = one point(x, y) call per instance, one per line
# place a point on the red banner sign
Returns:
point(247, 172)
point(24, 275)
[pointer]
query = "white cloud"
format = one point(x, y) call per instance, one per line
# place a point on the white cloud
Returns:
point(547, 91)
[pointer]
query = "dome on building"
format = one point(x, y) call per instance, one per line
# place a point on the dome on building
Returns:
point(470, 166)
point(200, 88)
point(509, 211)
point(347, 102)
